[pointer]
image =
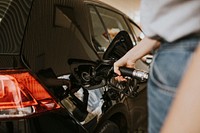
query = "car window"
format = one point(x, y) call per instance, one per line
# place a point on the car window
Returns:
point(139, 35)
point(4, 5)
point(100, 42)
point(106, 24)
point(13, 18)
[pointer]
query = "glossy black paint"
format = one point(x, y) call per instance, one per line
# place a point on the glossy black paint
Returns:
point(30, 38)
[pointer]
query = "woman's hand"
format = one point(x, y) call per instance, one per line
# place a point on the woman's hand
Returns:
point(124, 61)
point(137, 52)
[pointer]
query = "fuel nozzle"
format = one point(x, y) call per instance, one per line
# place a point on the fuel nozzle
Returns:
point(134, 73)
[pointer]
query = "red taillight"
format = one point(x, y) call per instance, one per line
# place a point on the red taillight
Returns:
point(22, 95)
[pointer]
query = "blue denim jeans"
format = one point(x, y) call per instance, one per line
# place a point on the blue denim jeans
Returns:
point(169, 64)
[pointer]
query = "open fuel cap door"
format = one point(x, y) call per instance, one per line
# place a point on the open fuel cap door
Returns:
point(119, 46)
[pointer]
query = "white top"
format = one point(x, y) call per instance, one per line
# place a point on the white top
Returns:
point(170, 19)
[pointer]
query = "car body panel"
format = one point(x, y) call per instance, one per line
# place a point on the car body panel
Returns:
point(42, 34)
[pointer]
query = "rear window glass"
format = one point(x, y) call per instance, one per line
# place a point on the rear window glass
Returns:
point(13, 19)
point(3, 7)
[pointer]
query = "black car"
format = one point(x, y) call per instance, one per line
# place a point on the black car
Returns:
point(76, 40)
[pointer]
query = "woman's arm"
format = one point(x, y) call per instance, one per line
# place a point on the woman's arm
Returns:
point(184, 115)
point(137, 52)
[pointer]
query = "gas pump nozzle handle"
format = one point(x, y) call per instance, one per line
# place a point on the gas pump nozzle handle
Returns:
point(134, 73)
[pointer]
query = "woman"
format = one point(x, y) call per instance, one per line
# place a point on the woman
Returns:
point(176, 35)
